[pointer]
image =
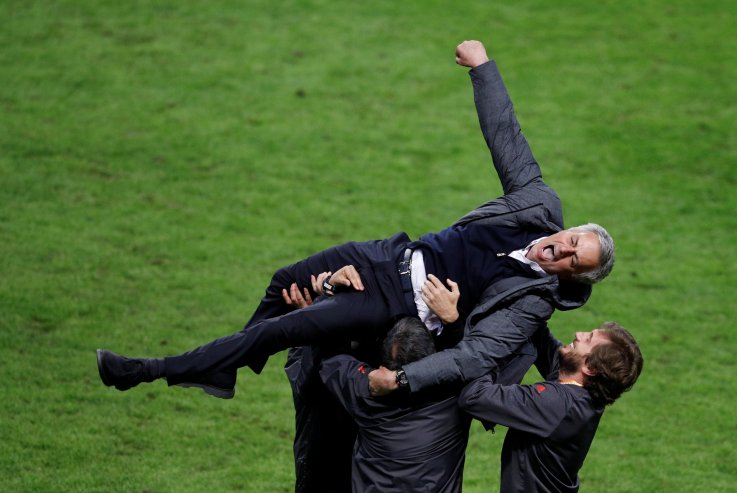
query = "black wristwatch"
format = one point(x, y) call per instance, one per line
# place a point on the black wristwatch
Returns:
point(402, 379)
point(327, 288)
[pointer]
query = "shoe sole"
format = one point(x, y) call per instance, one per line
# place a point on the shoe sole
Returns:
point(100, 369)
point(208, 389)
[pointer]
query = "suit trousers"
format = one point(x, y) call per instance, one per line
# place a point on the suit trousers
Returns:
point(273, 327)
point(324, 432)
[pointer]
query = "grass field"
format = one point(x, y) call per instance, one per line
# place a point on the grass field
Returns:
point(159, 160)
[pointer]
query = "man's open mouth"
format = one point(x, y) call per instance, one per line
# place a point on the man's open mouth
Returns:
point(548, 252)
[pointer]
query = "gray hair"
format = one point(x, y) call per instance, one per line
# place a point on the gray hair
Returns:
point(606, 254)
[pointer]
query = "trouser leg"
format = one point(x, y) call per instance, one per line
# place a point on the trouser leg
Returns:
point(329, 260)
point(324, 432)
point(323, 446)
point(345, 315)
point(272, 304)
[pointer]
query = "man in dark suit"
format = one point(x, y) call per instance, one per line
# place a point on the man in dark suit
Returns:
point(510, 258)
point(512, 307)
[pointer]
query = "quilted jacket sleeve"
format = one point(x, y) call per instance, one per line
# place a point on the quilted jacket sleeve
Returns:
point(486, 344)
point(527, 201)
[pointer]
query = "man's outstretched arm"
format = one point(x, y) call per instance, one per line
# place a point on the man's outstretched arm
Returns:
point(511, 154)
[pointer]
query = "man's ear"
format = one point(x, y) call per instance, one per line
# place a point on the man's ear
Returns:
point(589, 372)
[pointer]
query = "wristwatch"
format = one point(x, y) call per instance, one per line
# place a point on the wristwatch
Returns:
point(402, 379)
point(327, 288)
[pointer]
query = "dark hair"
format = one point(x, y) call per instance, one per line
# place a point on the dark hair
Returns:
point(616, 365)
point(409, 340)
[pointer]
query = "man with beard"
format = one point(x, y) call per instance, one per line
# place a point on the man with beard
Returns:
point(552, 423)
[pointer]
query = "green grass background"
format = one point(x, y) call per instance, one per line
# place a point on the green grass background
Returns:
point(159, 160)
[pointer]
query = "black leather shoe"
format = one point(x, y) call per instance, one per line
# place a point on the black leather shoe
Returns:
point(121, 372)
point(220, 384)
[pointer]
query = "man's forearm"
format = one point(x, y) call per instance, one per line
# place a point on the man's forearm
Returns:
point(488, 344)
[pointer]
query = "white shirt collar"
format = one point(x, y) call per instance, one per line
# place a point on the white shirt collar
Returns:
point(521, 255)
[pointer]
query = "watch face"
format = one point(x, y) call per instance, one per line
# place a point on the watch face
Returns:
point(402, 378)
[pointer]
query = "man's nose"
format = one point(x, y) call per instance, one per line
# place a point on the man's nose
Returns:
point(566, 250)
